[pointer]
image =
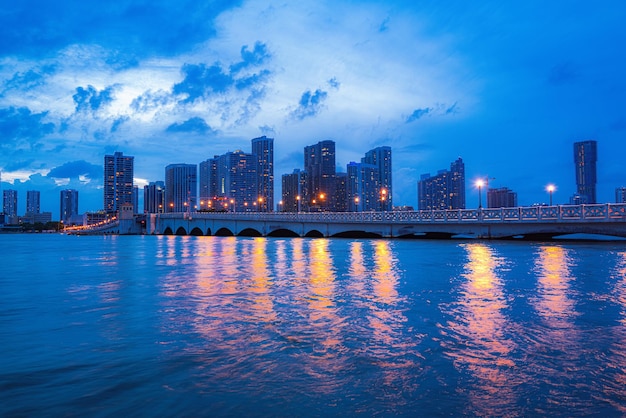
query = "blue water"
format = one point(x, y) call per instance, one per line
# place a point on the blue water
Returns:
point(224, 326)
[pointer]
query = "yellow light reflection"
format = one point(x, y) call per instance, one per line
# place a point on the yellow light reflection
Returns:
point(553, 302)
point(482, 331)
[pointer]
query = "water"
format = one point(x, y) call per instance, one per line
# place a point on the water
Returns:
point(224, 326)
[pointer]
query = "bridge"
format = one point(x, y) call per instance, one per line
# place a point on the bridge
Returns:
point(535, 222)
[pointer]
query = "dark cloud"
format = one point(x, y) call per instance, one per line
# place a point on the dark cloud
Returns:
point(310, 104)
point(91, 99)
point(18, 165)
point(30, 79)
point(251, 58)
point(418, 113)
point(333, 83)
point(131, 27)
point(18, 124)
point(201, 81)
point(74, 169)
point(252, 80)
point(151, 100)
point(454, 109)
point(118, 122)
point(194, 125)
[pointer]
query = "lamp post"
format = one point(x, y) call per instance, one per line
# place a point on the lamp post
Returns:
point(551, 188)
point(232, 203)
point(479, 184)
point(356, 203)
point(298, 200)
point(383, 197)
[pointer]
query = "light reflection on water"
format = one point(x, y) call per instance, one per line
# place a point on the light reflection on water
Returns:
point(227, 326)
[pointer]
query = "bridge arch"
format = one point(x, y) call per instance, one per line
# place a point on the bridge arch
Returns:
point(249, 232)
point(283, 233)
point(314, 233)
point(357, 234)
point(197, 232)
point(208, 232)
point(224, 232)
point(168, 231)
point(181, 231)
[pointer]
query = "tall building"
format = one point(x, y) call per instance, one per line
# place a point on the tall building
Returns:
point(620, 195)
point(341, 192)
point(263, 149)
point(363, 192)
point(208, 182)
point(502, 197)
point(237, 187)
point(585, 158)
point(118, 181)
point(69, 206)
point(154, 197)
point(381, 158)
point(33, 199)
point(293, 191)
point(181, 184)
point(446, 190)
point(319, 164)
point(9, 203)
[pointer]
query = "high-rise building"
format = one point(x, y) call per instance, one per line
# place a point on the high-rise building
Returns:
point(363, 193)
point(154, 197)
point(620, 195)
point(69, 206)
point(501, 197)
point(181, 184)
point(208, 182)
point(237, 187)
point(341, 192)
point(585, 158)
point(9, 202)
point(446, 190)
point(381, 158)
point(319, 164)
point(33, 201)
point(118, 181)
point(263, 149)
point(293, 191)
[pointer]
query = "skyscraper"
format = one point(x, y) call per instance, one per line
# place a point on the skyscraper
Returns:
point(118, 181)
point(293, 191)
point(33, 201)
point(363, 192)
point(69, 206)
point(263, 149)
point(620, 195)
point(502, 197)
point(446, 190)
point(585, 158)
point(319, 164)
point(154, 197)
point(181, 184)
point(9, 202)
point(237, 182)
point(208, 182)
point(381, 158)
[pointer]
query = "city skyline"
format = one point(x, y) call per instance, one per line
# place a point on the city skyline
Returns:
point(507, 87)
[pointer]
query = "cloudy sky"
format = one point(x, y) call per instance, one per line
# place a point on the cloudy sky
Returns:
point(507, 86)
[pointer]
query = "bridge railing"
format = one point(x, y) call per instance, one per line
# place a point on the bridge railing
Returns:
point(565, 213)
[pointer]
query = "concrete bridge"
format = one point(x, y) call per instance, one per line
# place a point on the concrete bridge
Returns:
point(536, 222)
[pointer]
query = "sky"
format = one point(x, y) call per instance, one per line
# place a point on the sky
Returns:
point(507, 86)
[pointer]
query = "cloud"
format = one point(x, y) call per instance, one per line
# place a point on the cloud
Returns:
point(150, 101)
point(76, 170)
point(201, 80)
point(115, 126)
point(18, 124)
point(310, 104)
point(134, 28)
point(91, 99)
point(194, 125)
point(418, 113)
point(29, 79)
point(333, 83)
point(18, 165)
point(257, 56)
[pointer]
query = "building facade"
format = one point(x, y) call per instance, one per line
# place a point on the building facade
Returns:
point(585, 160)
point(9, 206)
point(446, 190)
point(501, 197)
point(620, 195)
point(319, 164)
point(33, 201)
point(293, 190)
point(208, 182)
point(68, 212)
point(154, 197)
point(118, 181)
point(381, 158)
point(362, 188)
point(181, 184)
point(263, 149)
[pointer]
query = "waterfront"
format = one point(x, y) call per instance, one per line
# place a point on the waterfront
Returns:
point(225, 326)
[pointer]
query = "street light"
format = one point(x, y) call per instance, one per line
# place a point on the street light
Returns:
point(356, 203)
point(298, 199)
point(383, 197)
point(551, 188)
point(479, 184)
point(232, 203)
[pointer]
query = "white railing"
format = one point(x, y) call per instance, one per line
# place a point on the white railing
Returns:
point(567, 213)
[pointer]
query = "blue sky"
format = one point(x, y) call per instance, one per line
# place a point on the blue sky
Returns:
point(507, 86)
